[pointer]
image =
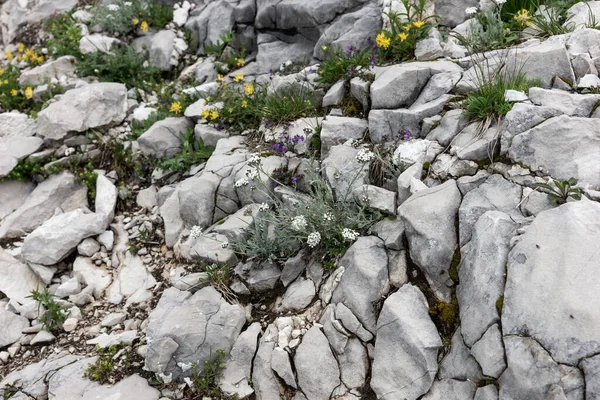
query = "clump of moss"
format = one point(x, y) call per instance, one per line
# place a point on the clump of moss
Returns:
point(453, 270)
point(446, 312)
point(499, 304)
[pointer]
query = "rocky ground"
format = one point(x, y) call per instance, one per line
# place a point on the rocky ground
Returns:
point(468, 283)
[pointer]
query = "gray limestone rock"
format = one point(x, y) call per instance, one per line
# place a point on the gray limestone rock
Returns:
point(264, 381)
point(482, 273)
point(163, 139)
point(533, 374)
point(280, 362)
point(365, 279)
point(399, 86)
point(316, 383)
point(459, 363)
point(429, 218)
point(553, 301)
point(199, 324)
point(57, 237)
point(238, 367)
point(451, 389)
point(489, 352)
point(496, 193)
point(90, 106)
point(405, 359)
point(562, 147)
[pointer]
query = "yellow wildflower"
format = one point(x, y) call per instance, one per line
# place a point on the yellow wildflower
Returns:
point(144, 26)
point(239, 78)
point(135, 21)
point(407, 27)
point(6, 81)
point(1, 71)
point(39, 60)
point(523, 17)
point(14, 92)
point(220, 78)
point(230, 110)
point(175, 107)
point(382, 41)
point(418, 23)
point(29, 93)
point(207, 99)
point(244, 104)
point(240, 62)
point(29, 55)
point(19, 58)
point(20, 47)
point(214, 114)
point(204, 114)
point(249, 89)
point(402, 36)
point(9, 55)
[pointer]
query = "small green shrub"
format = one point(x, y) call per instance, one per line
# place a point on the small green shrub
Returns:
point(55, 315)
point(206, 382)
point(124, 17)
point(399, 42)
point(346, 64)
point(87, 176)
point(122, 65)
point(65, 36)
point(105, 366)
point(193, 152)
point(561, 191)
point(24, 171)
point(246, 105)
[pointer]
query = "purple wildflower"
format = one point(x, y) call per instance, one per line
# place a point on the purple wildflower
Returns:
point(220, 126)
point(294, 180)
point(406, 134)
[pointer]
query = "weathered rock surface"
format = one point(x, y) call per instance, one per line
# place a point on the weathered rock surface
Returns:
point(482, 273)
point(316, 383)
point(11, 326)
point(551, 287)
point(565, 147)
point(405, 360)
point(533, 374)
point(12, 195)
point(195, 326)
point(365, 279)
point(399, 86)
point(57, 237)
point(496, 193)
point(429, 219)
point(238, 367)
point(91, 106)
point(163, 139)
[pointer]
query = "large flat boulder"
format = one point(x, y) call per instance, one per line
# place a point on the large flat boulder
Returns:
point(564, 147)
point(91, 106)
point(552, 282)
point(186, 328)
point(58, 191)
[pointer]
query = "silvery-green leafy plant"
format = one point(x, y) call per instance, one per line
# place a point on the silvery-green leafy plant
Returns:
point(561, 191)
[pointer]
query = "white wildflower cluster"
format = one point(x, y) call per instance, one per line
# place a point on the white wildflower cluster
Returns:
point(195, 232)
point(254, 159)
point(365, 156)
point(500, 2)
point(113, 7)
point(349, 234)
point(263, 207)
point(471, 10)
point(299, 223)
point(313, 239)
point(241, 182)
point(251, 174)
point(328, 217)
